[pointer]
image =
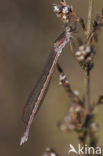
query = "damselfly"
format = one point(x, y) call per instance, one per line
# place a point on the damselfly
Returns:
point(38, 93)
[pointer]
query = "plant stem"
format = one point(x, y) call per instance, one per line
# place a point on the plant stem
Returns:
point(87, 96)
point(90, 13)
point(87, 72)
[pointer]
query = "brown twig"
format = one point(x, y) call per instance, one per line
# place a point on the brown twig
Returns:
point(87, 92)
point(90, 13)
point(87, 72)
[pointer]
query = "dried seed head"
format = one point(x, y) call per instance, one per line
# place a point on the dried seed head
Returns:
point(66, 125)
point(62, 126)
point(78, 109)
point(82, 47)
point(80, 58)
point(73, 118)
point(63, 79)
point(88, 49)
point(94, 126)
point(85, 53)
point(49, 152)
point(76, 92)
point(89, 59)
point(78, 53)
point(64, 17)
point(63, 11)
point(56, 8)
point(66, 10)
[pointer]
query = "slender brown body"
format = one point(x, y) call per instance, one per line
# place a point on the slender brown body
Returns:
point(38, 93)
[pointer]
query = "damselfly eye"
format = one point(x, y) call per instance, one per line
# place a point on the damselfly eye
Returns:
point(68, 29)
point(56, 8)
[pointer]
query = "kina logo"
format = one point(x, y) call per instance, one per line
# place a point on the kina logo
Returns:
point(85, 150)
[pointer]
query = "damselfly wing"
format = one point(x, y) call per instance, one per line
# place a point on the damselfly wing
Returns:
point(36, 97)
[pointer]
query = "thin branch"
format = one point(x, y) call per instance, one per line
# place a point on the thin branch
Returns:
point(90, 13)
point(87, 73)
point(87, 92)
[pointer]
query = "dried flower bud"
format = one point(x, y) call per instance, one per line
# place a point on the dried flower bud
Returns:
point(49, 152)
point(66, 10)
point(63, 11)
point(63, 79)
point(64, 17)
point(73, 119)
point(78, 53)
point(85, 54)
point(94, 126)
point(81, 48)
point(81, 58)
point(66, 124)
point(56, 8)
point(76, 92)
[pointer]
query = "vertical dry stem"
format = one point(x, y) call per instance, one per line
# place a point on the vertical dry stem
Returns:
point(90, 13)
point(87, 96)
point(87, 73)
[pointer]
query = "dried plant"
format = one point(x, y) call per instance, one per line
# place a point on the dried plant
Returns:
point(80, 116)
point(50, 152)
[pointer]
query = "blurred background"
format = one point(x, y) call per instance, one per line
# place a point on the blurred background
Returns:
point(27, 32)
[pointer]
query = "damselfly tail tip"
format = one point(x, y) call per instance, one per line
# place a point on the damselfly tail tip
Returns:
point(23, 140)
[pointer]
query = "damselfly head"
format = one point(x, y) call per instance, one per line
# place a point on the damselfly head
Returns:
point(68, 32)
point(68, 29)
